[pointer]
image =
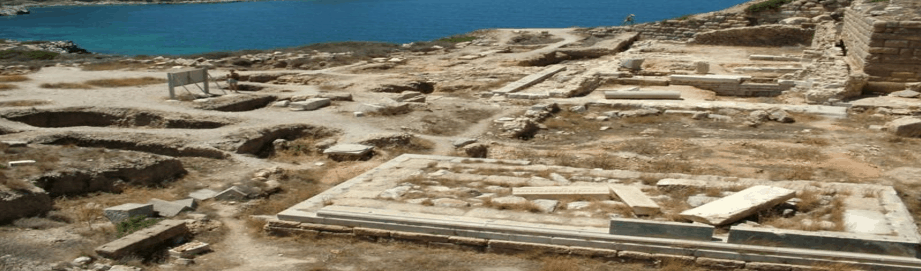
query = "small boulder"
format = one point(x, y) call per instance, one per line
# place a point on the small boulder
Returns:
point(546, 205)
point(905, 94)
point(906, 126)
point(781, 116)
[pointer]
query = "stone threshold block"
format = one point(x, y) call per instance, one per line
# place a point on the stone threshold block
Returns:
point(834, 241)
point(636, 199)
point(646, 94)
point(163, 232)
point(707, 79)
point(530, 80)
point(739, 205)
point(661, 229)
point(559, 192)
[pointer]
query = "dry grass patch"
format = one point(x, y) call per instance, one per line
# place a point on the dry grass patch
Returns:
point(114, 65)
point(13, 78)
point(125, 82)
point(65, 86)
point(7, 87)
point(523, 207)
point(23, 103)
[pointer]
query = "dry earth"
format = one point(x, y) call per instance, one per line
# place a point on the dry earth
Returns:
point(813, 148)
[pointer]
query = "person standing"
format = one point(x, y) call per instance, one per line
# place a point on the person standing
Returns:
point(232, 78)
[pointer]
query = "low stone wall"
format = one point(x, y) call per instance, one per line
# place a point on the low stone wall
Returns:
point(685, 28)
point(767, 36)
point(730, 85)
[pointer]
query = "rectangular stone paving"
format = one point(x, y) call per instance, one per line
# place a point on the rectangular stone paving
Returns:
point(580, 222)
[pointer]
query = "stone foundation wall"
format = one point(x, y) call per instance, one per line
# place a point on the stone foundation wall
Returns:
point(685, 28)
point(888, 50)
point(766, 35)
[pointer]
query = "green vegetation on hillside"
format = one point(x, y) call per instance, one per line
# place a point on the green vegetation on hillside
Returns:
point(458, 39)
point(767, 5)
point(21, 55)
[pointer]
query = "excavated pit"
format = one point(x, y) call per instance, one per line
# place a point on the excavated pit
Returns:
point(260, 141)
point(236, 104)
point(112, 117)
point(133, 142)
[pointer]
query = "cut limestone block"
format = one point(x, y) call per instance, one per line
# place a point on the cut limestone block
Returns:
point(189, 250)
point(125, 211)
point(190, 203)
point(646, 94)
point(20, 163)
point(636, 199)
point(556, 192)
point(739, 205)
point(159, 234)
point(232, 193)
point(348, 151)
point(166, 208)
point(661, 229)
point(203, 194)
point(309, 104)
point(633, 63)
point(907, 127)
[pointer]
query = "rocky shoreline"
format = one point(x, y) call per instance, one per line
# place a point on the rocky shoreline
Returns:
point(15, 10)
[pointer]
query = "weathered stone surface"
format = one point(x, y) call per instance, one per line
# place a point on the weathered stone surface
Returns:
point(633, 63)
point(701, 67)
point(395, 193)
point(460, 142)
point(866, 221)
point(646, 94)
point(189, 250)
point(739, 205)
point(578, 205)
point(672, 184)
point(660, 229)
point(636, 199)
point(907, 127)
point(530, 80)
point(905, 94)
point(555, 192)
point(559, 178)
point(835, 241)
point(310, 104)
point(348, 151)
point(232, 193)
point(203, 194)
point(23, 203)
point(509, 200)
point(781, 116)
point(453, 203)
point(125, 211)
point(141, 240)
point(546, 205)
point(698, 200)
point(476, 150)
point(166, 208)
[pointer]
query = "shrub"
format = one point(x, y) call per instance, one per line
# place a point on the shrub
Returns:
point(13, 78)
point(66, 86)
point(134, 224)
point(21, 55)
point(125, 82)
point(767, 5)
point(458, 39)
point(7, 87)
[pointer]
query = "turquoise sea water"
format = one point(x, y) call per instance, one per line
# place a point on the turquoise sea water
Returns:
point(197, 28)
